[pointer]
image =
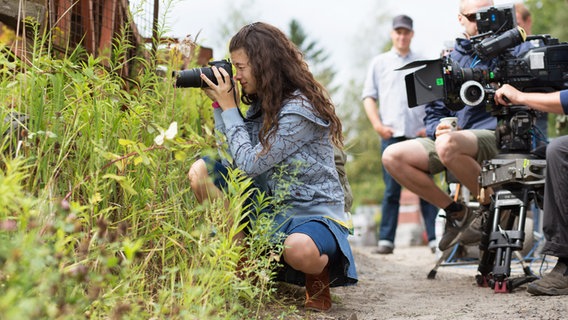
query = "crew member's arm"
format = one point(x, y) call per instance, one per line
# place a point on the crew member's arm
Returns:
point(553, 102)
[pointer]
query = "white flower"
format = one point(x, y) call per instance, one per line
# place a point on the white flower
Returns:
point(169, 134)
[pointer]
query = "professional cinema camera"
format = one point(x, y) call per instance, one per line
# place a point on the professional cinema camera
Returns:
point(540, 69)
point(517, 173)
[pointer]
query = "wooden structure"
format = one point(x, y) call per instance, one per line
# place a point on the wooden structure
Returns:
point(92, 24)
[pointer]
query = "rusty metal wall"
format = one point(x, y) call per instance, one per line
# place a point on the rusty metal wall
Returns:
point(92, 23)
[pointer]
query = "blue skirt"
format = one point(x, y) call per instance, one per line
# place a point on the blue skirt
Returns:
point(342, 271)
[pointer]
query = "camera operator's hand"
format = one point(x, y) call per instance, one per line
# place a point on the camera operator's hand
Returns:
point(224, 92)
point(507, 95)
point(545, 102)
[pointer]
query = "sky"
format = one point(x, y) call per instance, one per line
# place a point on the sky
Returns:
point(337, 25)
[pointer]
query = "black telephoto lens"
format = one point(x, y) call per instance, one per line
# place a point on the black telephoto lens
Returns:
point(191, 78)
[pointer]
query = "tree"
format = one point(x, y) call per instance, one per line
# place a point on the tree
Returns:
point(236, 19)
point(362, 148)
point(364, 167)
point(314, 55)
point(549, 17)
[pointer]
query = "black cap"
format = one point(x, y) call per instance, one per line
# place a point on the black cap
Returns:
point(402, 21)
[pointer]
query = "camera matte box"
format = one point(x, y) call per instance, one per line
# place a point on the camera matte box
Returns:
point(426, 84)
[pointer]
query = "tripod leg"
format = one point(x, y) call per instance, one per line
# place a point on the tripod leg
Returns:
point(446, 256)
point(509, 240)
point(486, 257)
point(503, 253)
point(443, 257)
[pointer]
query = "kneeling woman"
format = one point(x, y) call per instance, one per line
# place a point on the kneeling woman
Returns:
point(291, 123)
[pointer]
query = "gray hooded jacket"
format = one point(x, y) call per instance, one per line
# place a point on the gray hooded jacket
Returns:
point(301, 148)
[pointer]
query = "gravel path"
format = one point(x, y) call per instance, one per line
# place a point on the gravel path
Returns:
point(396, 287)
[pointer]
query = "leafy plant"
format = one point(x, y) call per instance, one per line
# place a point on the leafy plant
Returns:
point(97, 217)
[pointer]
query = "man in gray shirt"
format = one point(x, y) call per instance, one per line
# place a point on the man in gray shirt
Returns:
point(385, 102)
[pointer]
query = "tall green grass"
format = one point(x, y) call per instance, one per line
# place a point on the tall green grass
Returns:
point(97, 220)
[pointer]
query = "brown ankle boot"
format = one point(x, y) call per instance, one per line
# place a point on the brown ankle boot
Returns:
point(318, 295)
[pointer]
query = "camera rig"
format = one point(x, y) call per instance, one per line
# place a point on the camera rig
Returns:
point(517, 173)
point(540, 69)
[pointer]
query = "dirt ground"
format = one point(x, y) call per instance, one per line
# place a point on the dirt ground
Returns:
point(396, 287)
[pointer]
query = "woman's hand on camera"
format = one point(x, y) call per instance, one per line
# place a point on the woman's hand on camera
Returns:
point(209, 93)
point(224, 92)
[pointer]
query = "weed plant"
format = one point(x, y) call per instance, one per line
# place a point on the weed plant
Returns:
point(97, 219)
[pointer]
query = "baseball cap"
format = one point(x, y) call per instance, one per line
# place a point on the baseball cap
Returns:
point(402, 21)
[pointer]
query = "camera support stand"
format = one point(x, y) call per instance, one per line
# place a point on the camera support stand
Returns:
point(516, 182)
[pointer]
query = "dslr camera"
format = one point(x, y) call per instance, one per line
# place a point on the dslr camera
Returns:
point(540, 69)
point(192, 78)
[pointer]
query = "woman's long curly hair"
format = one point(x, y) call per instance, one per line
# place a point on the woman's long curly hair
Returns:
point(279, 70)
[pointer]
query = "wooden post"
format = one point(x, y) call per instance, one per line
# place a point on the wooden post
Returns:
point(107, 29)
point(88, 23)
point(155, 28)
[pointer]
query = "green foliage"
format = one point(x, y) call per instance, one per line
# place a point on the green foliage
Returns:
point(314, 55)
point(548, 17)
point(363, 167)
point(97, 217)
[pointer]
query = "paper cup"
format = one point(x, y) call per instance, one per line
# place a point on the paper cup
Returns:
point(452, 122)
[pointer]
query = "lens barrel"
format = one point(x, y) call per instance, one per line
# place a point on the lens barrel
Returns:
point(192, 78)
